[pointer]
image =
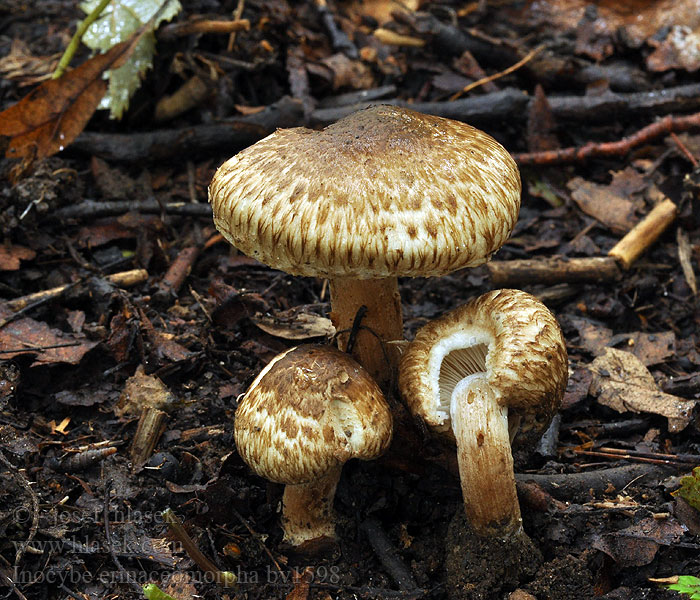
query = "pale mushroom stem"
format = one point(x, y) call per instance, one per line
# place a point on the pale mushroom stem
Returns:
point(307, 509)
point(383, 317)
point(485, 460)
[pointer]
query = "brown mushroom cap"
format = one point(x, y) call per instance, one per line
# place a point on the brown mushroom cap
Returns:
point(384, 192)
point(510, 337)
point(310, 410)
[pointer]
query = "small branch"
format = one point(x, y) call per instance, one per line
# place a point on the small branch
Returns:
point(203, 26)
point(474, 84)
point(644, 233)
point(578, 154)
point(549, 271)
point(77, 36)
point(224, 578)
point(25, 303)
point(387, 554)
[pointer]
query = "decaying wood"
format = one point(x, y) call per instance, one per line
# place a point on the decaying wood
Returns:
point(151, 426)
point(644, 233)
point(203, 26)
point(581, 487)
point(90, 209)
point(123, 279)
point(548, 271)
point(230, 136)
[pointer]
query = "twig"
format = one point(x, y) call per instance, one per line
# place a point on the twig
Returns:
point(22, 480)
point(176, 274)
point(224, 578)
point(237, 14)
point(631, 456)
point(203, 26)
point(474, 84)
point(91, 209)
point(387, 554)
point(683, 148)
point(666, 125)
point(253, 533)
point(25, 303)
point(77, 36)
point(339, 40)
point(32, 348)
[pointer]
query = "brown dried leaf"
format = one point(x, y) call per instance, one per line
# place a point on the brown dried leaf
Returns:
point(10, 256)
point(52, 115)
point(26, 335)
point(610, 204)
point(637, 545)
point(143, 391)
point(294, 325)
point(621, 382)
point(541, 125)
point(679, 50)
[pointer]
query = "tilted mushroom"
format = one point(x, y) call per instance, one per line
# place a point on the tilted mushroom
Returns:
point(308, 412)
point(483, 372)
point(383, 193)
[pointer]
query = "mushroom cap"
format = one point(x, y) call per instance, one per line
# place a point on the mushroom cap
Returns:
point(508, 335)
point(384, 192)
point(312, 408)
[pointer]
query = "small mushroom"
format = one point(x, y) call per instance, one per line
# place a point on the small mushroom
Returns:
point(488, 370)
point(308, 412)
point(383, 193)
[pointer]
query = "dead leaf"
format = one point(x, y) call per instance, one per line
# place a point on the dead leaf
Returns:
point(27, 336)
point(294, 325)
point(621, 382)
point(638, 544)
point(10, 256)
point(610, 204)
point(51, 116)
point(541, 125)
point(141, 391)
point(380, 10)
point(593, 337)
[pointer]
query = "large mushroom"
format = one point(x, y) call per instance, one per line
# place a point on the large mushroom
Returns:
point(383, 193)
point(487, 373)
point(308, 412)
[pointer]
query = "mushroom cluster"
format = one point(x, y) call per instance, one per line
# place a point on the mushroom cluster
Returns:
point(488, 372)
point(308, 412)
point(384, 192)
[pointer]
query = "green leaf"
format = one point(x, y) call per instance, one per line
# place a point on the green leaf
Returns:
point(690, 489)
point(152, 592)
point(117, 23)
point(687, 584)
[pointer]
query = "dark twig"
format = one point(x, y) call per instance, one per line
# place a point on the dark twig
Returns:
point(339, 40)
point(356, 323)
point(387, 554)
point(90, 209)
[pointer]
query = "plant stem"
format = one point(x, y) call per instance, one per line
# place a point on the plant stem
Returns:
point(77, 36)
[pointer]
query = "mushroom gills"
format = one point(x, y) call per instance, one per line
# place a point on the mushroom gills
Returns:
point(455, 366)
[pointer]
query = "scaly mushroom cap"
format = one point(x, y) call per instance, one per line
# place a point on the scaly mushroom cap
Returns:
point(384, 192)
point(312, 408)
point(508, 335)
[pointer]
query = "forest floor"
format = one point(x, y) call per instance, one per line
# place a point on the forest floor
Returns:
point(598, 104)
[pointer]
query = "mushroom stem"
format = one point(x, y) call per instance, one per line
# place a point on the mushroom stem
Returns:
point(381, 323)
point(307, 509)
point(480, 426)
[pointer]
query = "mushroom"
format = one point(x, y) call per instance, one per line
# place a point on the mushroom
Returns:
point(481, 373)
point(384, 192)
point(308, 412)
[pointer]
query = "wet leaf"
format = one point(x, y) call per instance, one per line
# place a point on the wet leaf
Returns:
point(27, 336)
point(51, 116)
point(120, 20)
point(623, 383)
point(609, 204)
point(690, 489)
